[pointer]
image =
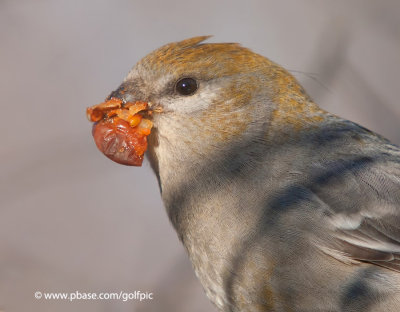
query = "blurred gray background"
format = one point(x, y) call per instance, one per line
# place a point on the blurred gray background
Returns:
point(70, 219)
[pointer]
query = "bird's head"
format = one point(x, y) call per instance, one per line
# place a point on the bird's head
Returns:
point(208, 98)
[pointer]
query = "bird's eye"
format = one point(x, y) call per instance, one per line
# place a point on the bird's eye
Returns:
point(186, 86)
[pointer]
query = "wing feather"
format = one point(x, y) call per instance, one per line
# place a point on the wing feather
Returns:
point(363, 211)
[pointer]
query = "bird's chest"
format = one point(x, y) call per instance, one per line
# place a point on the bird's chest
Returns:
point(214, 222)
point(209, 269)
point(215, 237)
point(208, 231)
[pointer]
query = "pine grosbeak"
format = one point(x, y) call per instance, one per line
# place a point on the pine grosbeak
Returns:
point(281, 205)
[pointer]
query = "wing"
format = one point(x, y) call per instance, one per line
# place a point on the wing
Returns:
point(361, 197)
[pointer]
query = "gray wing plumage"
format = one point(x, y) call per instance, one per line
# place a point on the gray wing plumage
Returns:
point(361, 196)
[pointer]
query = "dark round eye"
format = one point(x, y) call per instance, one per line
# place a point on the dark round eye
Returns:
point(186, 86)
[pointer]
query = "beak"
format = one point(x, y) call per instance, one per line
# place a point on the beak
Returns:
point(127, 94)
point(120, 93)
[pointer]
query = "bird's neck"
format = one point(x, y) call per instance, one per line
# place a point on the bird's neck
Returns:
point(204, 200)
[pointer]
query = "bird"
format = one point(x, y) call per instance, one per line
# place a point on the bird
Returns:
point(280, 205)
